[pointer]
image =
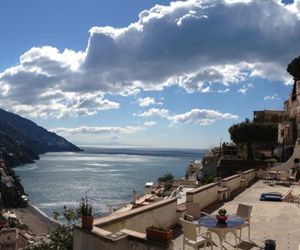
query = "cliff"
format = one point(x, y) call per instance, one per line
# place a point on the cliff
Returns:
point(25, 139)
point(21, 141)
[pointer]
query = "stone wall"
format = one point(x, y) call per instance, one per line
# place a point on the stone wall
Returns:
point(204, 195)
point(208, 194)
point(250, 175)
point(159, 213)
point(86, 240)
point(233, 182)
point(92, 241)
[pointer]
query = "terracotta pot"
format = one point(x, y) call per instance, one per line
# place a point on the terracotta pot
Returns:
point(162, 236)
point(87, 222)
point(222, 219)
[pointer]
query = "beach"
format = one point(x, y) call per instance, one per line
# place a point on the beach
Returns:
point(37, 222)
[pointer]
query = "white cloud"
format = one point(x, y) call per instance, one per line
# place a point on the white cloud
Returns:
point(60, 105)
point(223, 90)
point(150, 123)
point(82, 130)
point(202, 80)
point(193, 44)
point(145, 102)
point(195, 116)
point(294, 7)
point(206, 90)
point(245, 88)
point(271, 97)
point(164, 113)
point(92, 135)
point(213, 57)
point(201, 117)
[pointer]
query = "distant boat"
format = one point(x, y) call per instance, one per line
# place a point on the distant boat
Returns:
point(148, 187)
point(24, 197)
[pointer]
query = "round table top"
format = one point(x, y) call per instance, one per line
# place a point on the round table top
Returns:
point(212, 222)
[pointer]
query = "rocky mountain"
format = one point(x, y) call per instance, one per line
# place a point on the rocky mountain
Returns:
point(22, 140)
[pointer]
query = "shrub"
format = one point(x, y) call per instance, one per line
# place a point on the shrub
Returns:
point(168, 177)
point(85, 207)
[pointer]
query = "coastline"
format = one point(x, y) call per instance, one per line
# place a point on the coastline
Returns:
point(36, 220)
point(106, 171)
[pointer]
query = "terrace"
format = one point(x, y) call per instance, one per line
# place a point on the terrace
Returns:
point(269, 220)
point(279, 221)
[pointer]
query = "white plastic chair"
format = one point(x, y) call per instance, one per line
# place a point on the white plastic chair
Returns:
point(292, 177)
point(244, 211)
point(289, 197)
point(265, 175)
point(192, 210)
point(193, 213)
point(190, 236)
point(283, 176)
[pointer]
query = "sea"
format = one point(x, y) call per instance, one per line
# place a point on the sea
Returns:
point(105, 175)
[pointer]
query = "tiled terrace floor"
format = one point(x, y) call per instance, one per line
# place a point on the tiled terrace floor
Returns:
point(279, 221)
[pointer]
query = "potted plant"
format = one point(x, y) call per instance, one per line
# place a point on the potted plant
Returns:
point(221, 216)
point(159, 233)
point(85, 211)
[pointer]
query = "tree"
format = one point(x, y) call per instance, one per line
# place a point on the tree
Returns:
point(168, 177)
point(167, 181)
point(294, 67)
point(248, 133)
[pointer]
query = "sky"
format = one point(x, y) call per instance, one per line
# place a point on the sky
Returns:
point(163, 74)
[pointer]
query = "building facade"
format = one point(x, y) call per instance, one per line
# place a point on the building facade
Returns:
point(287, 122)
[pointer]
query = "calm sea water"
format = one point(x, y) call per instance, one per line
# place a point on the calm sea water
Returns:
point(106, 176)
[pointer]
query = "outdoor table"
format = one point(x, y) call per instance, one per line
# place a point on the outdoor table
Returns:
point(221, 229)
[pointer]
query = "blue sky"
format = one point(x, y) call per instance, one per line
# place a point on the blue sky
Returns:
point(149, 73)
